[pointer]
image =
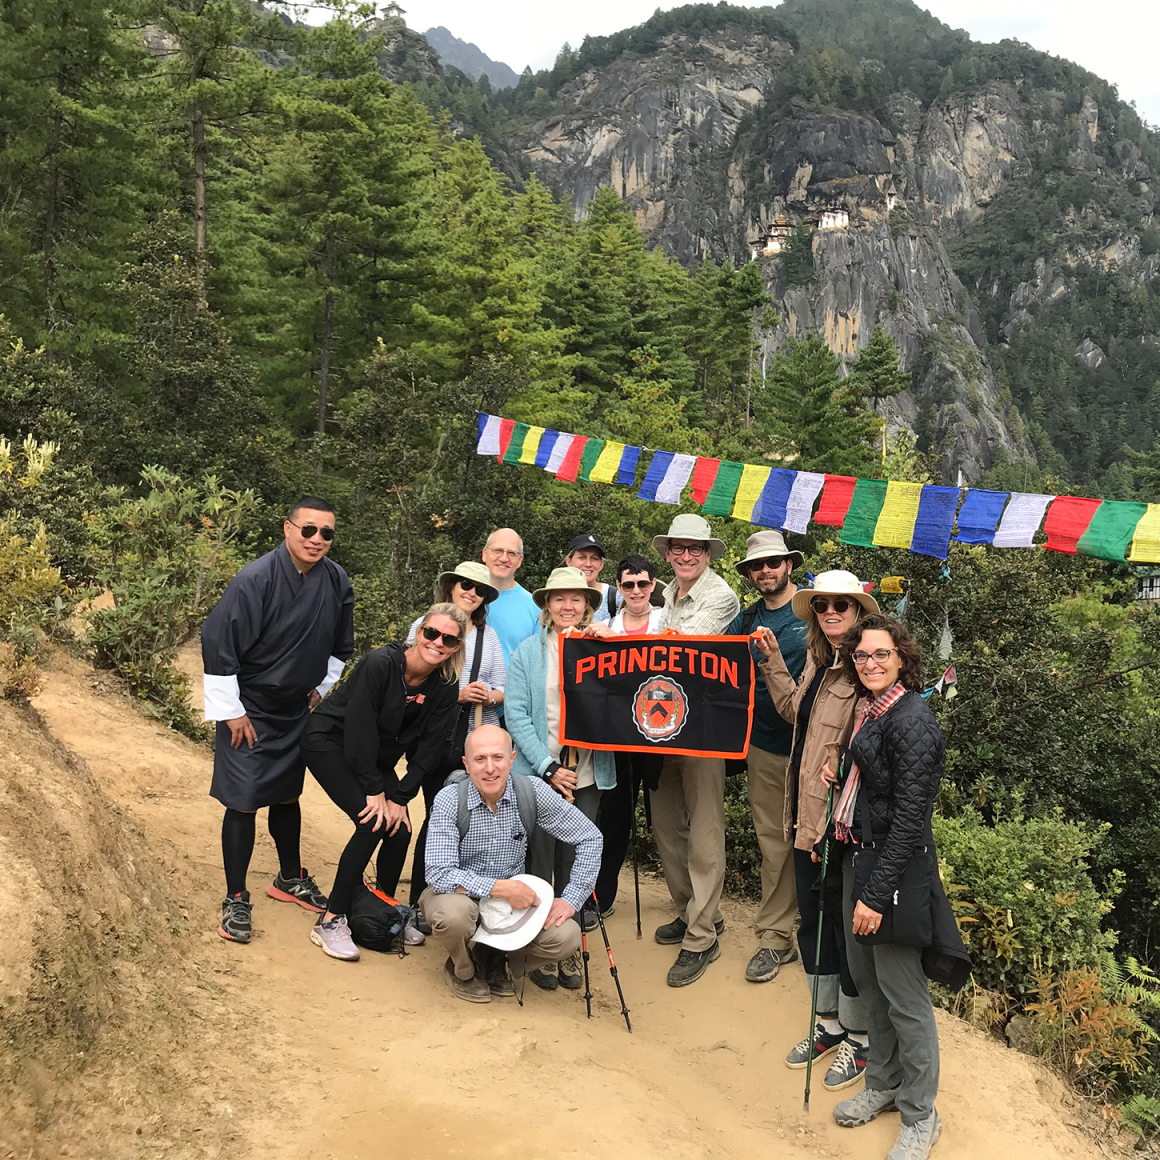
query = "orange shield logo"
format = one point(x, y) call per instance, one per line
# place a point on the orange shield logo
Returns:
point(660, 709)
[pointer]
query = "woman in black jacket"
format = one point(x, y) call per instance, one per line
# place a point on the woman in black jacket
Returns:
point(897, 759)
point(397, 701)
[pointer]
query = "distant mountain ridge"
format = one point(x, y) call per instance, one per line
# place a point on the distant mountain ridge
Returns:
point(469, 58)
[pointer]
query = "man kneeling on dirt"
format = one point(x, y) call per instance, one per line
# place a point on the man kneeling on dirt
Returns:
point(476, 852)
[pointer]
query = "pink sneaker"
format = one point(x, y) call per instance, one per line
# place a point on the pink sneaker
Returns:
point(334, 938)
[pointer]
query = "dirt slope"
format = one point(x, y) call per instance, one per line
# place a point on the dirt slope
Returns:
point(289, 1054)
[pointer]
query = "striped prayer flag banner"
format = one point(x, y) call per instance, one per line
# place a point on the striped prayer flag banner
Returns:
point(895, 525)
point(506, 427)
point(1146, 541)
point(515, 446)
point(656, 472)
point(749, 490)
point(772, 504)
point(607, 463)
point(807, 485)
point(480, 426)
point(704, 475)
point(592, 451)
point(676, 478)
point(862, 515)
point(837, 496)
point(488, 440)
point(570, 464)
point(1111, 530)
point(936, 518)
point(979, 515)
point(559, 452)
point(531, 445)
point(1021, 520)
point(720, 497)
point(626, 472)
point(545, 449)
point(1067, 520)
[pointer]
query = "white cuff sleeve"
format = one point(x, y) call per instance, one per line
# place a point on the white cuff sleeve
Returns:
point(220, 695)
point(334, 669)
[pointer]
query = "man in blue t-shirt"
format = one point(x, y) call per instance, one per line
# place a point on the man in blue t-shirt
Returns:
point(513, 614)
point(768, 565)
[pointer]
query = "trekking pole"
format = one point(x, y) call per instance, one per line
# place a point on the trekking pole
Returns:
point(584, 954)
point(635, 864)
point(612, 964)
point(818, 947)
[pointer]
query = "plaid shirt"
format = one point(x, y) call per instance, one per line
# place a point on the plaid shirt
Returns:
point(495, 845)
point(705, 610)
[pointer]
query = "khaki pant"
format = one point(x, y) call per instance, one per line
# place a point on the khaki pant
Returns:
point(688, 813)
point(454, 917)
point(774, 923)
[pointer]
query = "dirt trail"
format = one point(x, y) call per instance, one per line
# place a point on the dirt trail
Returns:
point(326, 1059)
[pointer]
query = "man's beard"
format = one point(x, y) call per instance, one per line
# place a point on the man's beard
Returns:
point(772, 587)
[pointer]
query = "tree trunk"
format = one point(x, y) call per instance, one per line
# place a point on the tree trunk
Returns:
point(48, 245)
point(197, 121)
point(327, 332)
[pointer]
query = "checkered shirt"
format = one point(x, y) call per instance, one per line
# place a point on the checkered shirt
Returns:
point(705, 610)
point(495, 845)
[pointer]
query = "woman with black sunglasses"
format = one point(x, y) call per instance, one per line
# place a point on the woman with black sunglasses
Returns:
point(398, 700)
point(821, 706)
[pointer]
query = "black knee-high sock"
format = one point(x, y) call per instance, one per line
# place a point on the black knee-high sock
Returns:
point(285, 823)
point(237, 846)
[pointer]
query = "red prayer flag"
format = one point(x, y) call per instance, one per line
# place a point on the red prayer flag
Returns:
point(704, 475)
point(1067, 520)
point(571, 463)
point(836, 497)
point(506, 427)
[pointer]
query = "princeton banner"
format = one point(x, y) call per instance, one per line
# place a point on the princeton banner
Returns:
point(691, 695)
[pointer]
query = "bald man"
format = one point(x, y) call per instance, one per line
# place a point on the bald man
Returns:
point(513, 614)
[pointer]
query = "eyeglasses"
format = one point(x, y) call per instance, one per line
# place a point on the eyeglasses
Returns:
point(632, 585)
point(510, 553)
point(880, 655)
point(309, 531)
point(694, 550)
point(450, 640)
point(822, 604)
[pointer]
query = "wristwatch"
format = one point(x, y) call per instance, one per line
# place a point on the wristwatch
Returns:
point(550, 771)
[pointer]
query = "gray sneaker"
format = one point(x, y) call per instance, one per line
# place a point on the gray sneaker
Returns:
point(334, 938)
point(868, 1104)
point(764, 965)
point(848, 1068)
point(916, 1140)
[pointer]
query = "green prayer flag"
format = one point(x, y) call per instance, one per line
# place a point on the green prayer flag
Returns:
point(592, 450)
point(863, 513)
point(512, 455)
point(719, 501)
point(1111, 530)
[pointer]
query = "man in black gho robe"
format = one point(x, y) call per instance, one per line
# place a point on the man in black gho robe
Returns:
point(272, 647)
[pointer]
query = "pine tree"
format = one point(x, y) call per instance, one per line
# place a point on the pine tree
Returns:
point(877, 372)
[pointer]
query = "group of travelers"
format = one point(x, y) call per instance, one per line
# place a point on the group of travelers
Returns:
point(844, 761)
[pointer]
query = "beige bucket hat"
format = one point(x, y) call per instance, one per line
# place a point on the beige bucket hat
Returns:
point(763, 546)
point(478, 574)
point(690, 526)
point(567, 580)
point(836, 583)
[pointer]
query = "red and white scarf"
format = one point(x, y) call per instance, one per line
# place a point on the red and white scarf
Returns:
point(844, 814)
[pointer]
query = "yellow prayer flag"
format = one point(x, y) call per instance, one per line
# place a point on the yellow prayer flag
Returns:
point(749, 491)
point(895, 527)
point(531, 445)
point(892, 584)
point(605, 468)
point(1146, 542)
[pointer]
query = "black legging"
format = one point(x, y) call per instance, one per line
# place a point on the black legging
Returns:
point(431, 786)
point(345, 790)
point(614, 817)
point(833, 957)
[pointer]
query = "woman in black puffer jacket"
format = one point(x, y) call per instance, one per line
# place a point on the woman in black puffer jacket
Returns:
point(897, 763)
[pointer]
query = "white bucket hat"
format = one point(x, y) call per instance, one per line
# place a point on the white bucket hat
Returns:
point(567, 580)
point(764, 546)
point(836, 583)
point(690, 526)
point(508, 930)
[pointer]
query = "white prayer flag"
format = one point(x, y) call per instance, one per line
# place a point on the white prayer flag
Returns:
point(1021, 520)
point(489, 440)
point(669, 489)
point(800, 505)
point(559, 450)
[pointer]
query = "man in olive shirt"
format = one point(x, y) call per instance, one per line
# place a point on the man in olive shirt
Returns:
point(768, 565)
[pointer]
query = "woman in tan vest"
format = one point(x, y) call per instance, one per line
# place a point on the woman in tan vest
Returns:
point(821, 706)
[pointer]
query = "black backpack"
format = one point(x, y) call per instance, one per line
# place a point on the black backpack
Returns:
point(525, 801)
point(377, 921)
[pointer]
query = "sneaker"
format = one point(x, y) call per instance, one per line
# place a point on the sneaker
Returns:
point(334, 938)
point(545, 977)
point(674, 932)
point(764, 965)
point(571, 973)
point(588, 920)
point(691, 965)
point(235, 923)
point(303, 890)
point(419, 920)
point(916, 1140)
point(473, 990)
point(413, 936)
point(865, 1106)
point(822, 1043)
point(849, 1066)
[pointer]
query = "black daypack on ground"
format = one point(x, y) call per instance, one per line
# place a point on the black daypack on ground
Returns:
point(376, 920)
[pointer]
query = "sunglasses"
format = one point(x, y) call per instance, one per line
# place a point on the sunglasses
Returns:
point(822, 604)
point(450, 640)
point(309, 531)
point(632, 585)
point(880, 655)
point(774, 562)
point(465, 585)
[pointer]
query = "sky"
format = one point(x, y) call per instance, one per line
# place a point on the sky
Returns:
point(1116, 39)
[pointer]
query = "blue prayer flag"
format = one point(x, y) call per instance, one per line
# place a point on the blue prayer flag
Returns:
point(626, 473)
point(979, 516)
point(771, 506)
point(936, 517)
point(544, 451)
point(655, 475)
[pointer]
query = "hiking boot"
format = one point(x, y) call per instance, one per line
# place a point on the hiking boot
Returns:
point(419, 920)
point(691, 965)
point(492, 966)
point(334, 938)
point(916, 1140)
point(822, 1043)
point(571, 973)
point(473, 990)
point(235, 924)
point(545, 977)
point(303, 890)
point(849, 1066)
point(764, 965)
point(865, 1106)
point(674, 932)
